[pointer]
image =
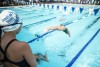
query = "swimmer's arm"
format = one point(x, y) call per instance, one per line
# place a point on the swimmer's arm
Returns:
point(53, 28)
point(28, 55)
point(50, 28)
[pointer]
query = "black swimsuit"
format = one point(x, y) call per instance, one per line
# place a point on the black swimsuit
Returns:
point(22, 63)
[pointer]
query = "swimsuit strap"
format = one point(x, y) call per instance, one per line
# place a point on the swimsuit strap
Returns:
point(8, 45)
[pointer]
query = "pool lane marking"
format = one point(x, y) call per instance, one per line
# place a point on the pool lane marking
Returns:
point(80, 52)
point(28, 12)
point(43, 20)
point(26, 26)
point(72, 62)
point(40, 21)
point(37, 16)
point(88, 27)
point(67, 23)
point(47, 33)
point(42, 15)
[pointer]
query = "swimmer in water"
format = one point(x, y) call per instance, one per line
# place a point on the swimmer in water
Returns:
point(60, 27)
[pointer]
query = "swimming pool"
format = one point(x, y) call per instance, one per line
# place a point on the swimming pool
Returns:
point(80, 50)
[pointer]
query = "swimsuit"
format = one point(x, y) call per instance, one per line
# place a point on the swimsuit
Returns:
point(22, 63)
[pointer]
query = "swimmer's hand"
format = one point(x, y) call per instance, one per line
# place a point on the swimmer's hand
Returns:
point(45, 30)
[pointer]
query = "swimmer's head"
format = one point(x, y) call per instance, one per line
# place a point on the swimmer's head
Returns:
point(61, 24)
point(9, 21)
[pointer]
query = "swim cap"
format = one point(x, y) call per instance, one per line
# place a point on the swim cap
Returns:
point(9, 21)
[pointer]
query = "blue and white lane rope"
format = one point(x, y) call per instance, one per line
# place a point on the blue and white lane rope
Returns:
point(80, 52)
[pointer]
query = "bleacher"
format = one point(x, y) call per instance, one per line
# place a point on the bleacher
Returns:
point(29, 2)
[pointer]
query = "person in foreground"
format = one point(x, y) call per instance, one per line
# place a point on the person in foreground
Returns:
point(60, 27)
point(15, 53)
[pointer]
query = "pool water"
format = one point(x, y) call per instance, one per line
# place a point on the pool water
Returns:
point(80, 50)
